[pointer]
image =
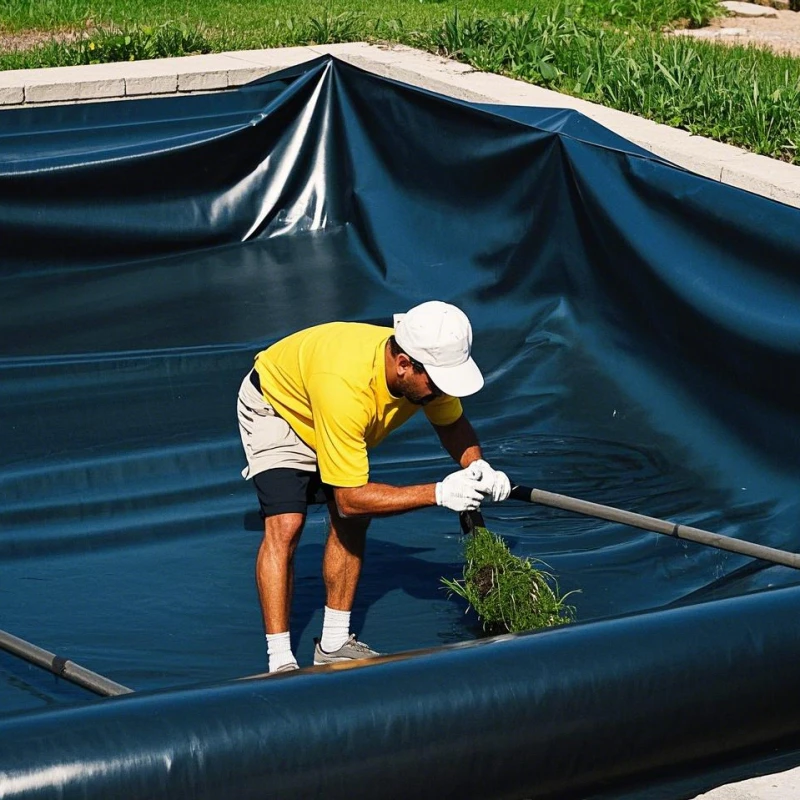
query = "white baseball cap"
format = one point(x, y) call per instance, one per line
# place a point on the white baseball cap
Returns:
point(439, 336)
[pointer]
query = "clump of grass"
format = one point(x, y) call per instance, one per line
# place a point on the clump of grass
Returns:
point(139, 42)
point(508, 593)
point(652, 14)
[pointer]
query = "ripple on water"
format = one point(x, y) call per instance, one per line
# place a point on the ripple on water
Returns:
point(619, 568)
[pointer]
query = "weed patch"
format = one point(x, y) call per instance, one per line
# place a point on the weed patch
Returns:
point(509, 594)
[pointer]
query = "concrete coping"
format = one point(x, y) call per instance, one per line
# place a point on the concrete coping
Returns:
point(725, 163)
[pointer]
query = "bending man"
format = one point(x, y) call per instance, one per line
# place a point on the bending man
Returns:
point(309, 412)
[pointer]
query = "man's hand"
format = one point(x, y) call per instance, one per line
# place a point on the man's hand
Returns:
point(459, 491)
point(492, 482)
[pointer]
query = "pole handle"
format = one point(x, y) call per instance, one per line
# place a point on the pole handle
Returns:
point(674, 529)
point(62, 667)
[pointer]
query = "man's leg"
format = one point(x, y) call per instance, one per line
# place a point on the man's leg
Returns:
point(275, 582)
point(343, 557)
point(341, 570)
point(284, 474)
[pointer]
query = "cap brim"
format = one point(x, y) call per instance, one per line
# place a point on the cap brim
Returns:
point(460, 381)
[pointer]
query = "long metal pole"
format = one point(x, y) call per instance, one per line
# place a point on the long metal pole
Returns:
point(64, 668)
point(655, 525)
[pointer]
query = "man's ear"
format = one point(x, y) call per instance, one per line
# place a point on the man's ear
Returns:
point(403, 363)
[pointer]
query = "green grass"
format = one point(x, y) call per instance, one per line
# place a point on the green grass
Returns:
point(250, 16)
point(742, 96)
point(608, 51)
point(508, 593)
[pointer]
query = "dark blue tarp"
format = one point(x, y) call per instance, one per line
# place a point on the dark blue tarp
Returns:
point(639, 327)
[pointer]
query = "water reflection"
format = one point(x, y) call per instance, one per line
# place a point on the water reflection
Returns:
point(619, 568)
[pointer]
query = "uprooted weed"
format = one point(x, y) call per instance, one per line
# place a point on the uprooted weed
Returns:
point(508, 593)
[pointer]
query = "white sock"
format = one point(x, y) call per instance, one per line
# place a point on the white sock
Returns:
point(279, 650)
point(335, 629)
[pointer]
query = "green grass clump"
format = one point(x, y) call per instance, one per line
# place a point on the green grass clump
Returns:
point(508, 593)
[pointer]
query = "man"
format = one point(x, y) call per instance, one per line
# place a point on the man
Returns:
point(310, 410)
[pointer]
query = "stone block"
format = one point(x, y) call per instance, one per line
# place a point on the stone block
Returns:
point(243, 75)
point(739, 9)
point(11, 95)
point(202, 81)
point(64, 91)
point(277, 59)
point(151, 84)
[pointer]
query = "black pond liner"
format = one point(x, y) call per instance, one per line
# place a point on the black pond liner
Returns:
point(639, 328)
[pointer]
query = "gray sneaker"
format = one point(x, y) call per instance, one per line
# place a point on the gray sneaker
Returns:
point(352, 649)
point(286, 668)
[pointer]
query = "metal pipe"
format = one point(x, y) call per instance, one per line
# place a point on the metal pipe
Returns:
point(62, 667)
point(655, 525)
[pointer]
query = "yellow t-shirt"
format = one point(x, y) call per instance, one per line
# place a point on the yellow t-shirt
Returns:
point(329, 383)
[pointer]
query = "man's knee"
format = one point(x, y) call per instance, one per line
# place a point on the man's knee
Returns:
point(283, 530)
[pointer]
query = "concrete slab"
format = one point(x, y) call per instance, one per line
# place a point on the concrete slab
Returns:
point(738, 9)
point(11, 95)
point(781, 786)
point(275, 59)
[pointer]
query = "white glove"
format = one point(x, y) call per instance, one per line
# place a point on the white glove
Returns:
point(459, 491)
point(492, 483)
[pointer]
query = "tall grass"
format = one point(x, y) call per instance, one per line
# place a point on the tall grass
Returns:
point(739, 95)
point(249, 16)
point(654, 16)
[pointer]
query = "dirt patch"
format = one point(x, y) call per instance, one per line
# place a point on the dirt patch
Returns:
point(29, 39)
point(484, 580)
point(780, 34)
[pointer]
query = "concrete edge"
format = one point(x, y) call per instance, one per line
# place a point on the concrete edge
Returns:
point(190, 74)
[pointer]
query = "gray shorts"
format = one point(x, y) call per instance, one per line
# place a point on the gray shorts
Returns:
point(268, 440)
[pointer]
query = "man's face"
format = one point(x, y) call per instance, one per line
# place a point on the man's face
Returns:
point(418, 388)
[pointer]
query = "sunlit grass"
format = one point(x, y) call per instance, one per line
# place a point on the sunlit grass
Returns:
point(741, 95)
point(509, 594)
point(251, 19)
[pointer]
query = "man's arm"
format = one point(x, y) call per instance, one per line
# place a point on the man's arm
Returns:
point(381, 499)
point(460, 440)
